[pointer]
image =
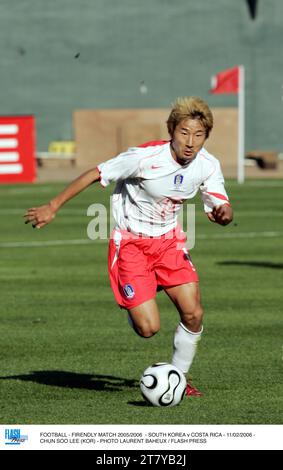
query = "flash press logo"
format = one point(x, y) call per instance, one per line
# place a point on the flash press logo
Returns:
point(14, 437)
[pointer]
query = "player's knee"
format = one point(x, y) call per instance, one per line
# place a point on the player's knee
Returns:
point(193, 318)
point(147, 330)
point(198, 313)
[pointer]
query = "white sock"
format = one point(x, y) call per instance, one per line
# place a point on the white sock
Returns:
point(184, 346)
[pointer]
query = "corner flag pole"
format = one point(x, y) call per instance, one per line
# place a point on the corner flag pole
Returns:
point(241, 126)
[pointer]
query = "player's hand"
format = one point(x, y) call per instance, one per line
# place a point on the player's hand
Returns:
point(222, 215)
point(40, 216)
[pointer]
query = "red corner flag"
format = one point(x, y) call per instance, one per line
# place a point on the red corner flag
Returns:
point(233, 81)
point(226, 82)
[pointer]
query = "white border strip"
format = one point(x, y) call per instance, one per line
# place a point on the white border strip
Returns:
point(147, 438)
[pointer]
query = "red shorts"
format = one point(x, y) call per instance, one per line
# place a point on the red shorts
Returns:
point(137, 266)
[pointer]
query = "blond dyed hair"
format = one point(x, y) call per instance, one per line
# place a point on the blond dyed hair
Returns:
point(190, 107)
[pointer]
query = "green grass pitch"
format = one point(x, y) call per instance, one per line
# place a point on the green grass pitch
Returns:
point(68, 355)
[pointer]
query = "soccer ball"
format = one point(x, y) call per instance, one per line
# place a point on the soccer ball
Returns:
point(163, 384)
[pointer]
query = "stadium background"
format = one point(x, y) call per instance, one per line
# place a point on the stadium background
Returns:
point(172, 47)
point(67, 355)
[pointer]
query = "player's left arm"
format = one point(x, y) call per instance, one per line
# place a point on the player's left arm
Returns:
point(221, 215)
point(216, 201)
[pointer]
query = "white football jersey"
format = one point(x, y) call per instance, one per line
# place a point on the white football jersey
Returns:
point(151, 186)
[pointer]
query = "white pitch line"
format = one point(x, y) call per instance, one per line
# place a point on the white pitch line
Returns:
point(258, 183)
point(14, 211)
point(33, 244)
point(36, 189)
point(86, 241)
point(240, 235)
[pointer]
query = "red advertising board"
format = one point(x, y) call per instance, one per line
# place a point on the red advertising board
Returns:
point(17, 149)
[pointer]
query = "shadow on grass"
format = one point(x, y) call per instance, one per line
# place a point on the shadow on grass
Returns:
point(59, 378)
point(254, 264)
point(141, 403)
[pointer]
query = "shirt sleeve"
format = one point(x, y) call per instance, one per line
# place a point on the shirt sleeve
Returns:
point(213, 191)
point(125, 165)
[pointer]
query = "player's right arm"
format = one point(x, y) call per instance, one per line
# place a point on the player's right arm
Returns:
point(125, 165)
point(43, 215)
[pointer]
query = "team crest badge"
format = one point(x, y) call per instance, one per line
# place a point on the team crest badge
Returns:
point(178, 180)
point(129, 291)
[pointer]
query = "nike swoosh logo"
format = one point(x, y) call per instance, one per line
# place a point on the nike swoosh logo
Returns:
point(154, 167)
